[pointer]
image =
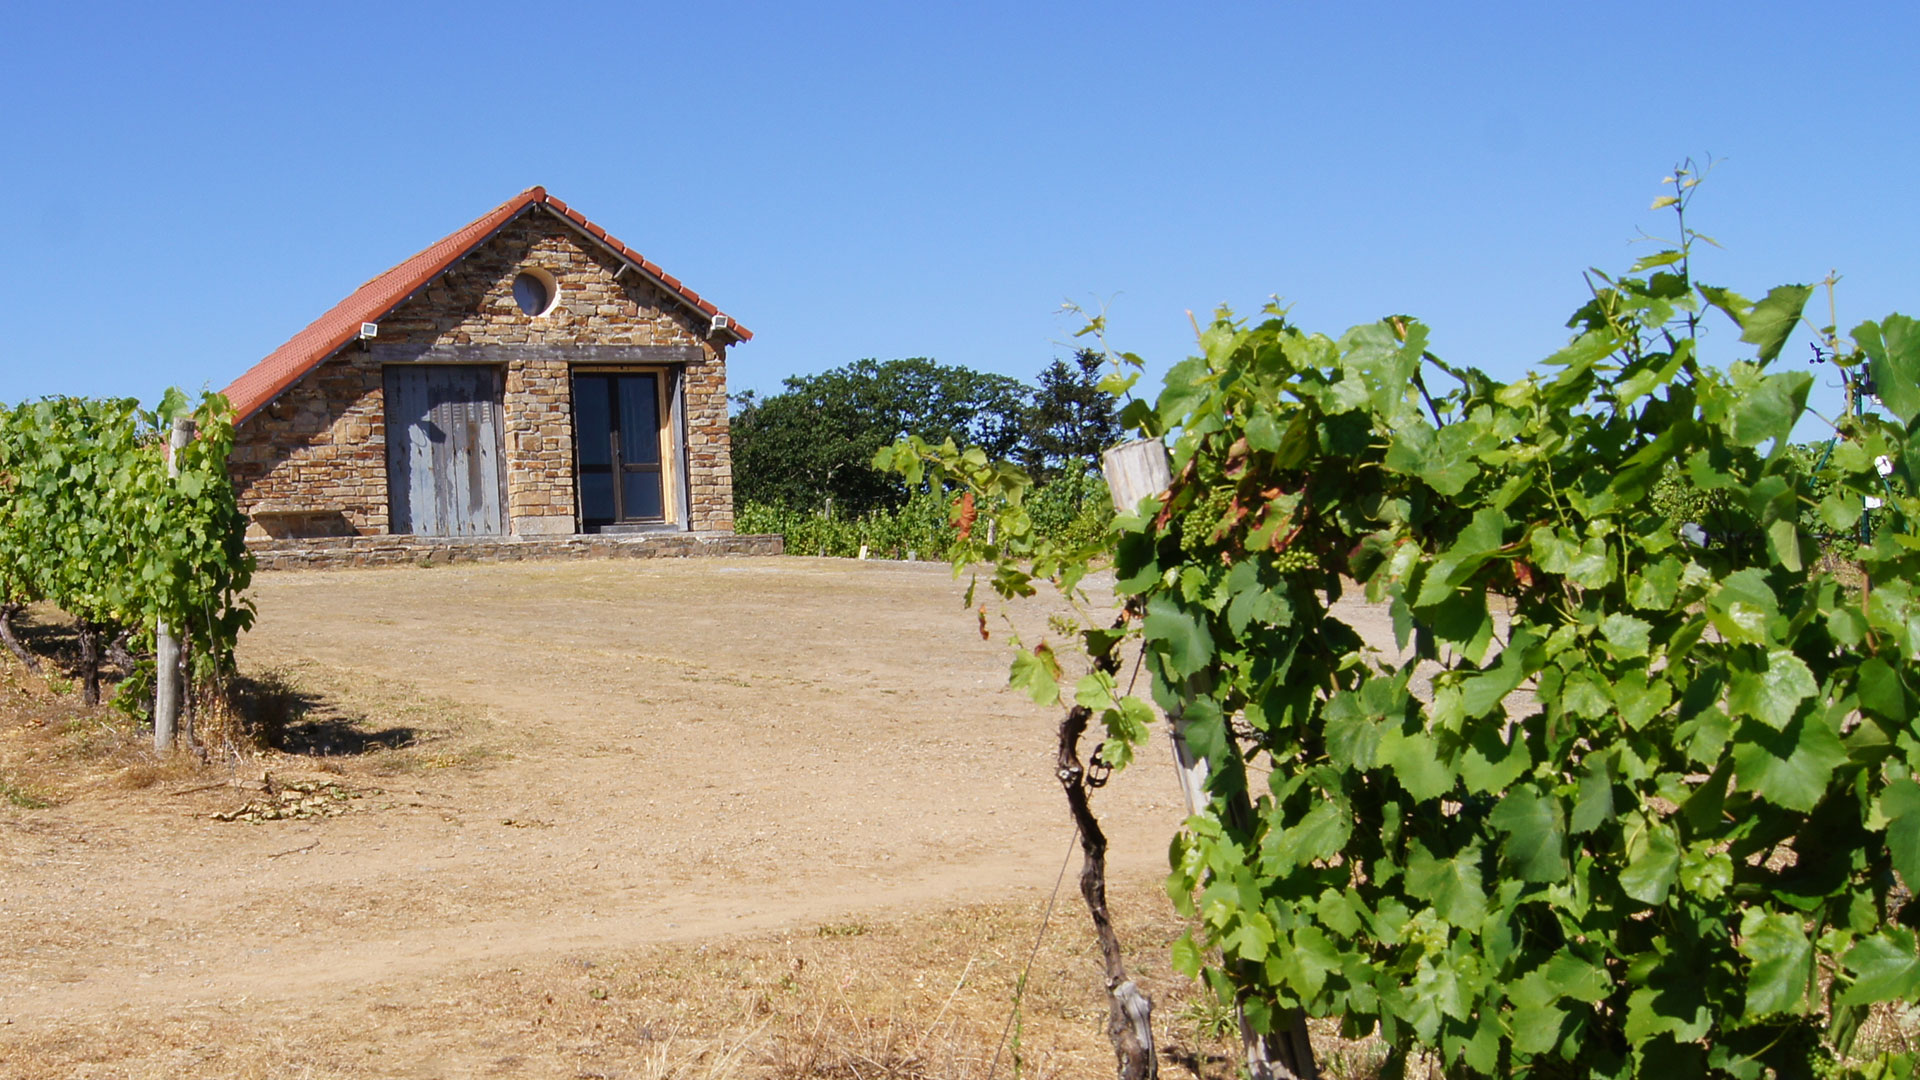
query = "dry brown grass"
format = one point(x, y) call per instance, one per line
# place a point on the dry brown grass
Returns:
point(918, 997)
point(53, 748)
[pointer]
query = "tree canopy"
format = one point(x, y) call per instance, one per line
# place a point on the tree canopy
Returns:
point(811, 446)
point(1070, 418)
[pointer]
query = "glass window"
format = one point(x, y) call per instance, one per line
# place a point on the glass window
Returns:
point(531, 294)
point(639, 419)
point(596, 496)
point(641, 493)
point(592, 424)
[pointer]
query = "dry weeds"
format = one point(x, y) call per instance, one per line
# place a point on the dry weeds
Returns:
point(921, 997)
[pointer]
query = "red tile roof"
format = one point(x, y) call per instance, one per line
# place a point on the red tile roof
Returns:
point(371, 302)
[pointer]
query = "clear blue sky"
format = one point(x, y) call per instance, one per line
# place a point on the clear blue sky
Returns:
point(186, 186)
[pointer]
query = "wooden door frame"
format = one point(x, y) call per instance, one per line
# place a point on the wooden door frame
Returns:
point(669, 413)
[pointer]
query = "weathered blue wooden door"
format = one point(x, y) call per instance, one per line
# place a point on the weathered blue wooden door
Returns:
point(444, 450)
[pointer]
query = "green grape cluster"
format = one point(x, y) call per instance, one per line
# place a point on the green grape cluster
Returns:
point(1295, 559)
point(1203, 518)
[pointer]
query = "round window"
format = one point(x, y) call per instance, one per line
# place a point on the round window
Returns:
point(533, 290)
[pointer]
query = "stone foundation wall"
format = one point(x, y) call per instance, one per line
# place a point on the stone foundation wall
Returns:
point(314, 460)
point(336, 553)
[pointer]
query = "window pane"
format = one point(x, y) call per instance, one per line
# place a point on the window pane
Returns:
point(639, 420)
point(592, 425)
point(642, 495)
point(596, 496)
point(530, 293)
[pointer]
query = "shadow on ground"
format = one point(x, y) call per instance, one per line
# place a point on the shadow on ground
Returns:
point(298, 721)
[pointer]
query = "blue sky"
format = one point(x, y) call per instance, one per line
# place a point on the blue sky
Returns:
point(184, 188)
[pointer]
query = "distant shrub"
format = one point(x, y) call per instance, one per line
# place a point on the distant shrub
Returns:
point(1074, 507)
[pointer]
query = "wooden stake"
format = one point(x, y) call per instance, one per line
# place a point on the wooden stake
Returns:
point(166, 647)
point(1134, 471)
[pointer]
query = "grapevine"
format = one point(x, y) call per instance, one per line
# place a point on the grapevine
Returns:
point(91, 520)
point(1660, 816)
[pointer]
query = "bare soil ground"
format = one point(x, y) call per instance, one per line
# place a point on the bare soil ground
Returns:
point(715, 817)
point(768, 817)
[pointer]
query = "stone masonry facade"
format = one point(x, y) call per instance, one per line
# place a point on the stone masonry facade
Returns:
point(314, 461)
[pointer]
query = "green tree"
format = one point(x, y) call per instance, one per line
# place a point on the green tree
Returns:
point(811, 446)
point(1071, 420)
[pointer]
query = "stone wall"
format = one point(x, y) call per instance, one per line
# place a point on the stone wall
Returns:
point(361, 551)
point(314, 460)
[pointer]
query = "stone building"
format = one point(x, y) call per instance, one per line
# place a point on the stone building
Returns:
point(527, 377)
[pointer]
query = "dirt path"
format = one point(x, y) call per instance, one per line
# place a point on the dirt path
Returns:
point(639, 752)
point(682, 749)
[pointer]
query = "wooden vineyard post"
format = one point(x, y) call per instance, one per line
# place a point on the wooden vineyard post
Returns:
point(166, 647)
point(1134, 471)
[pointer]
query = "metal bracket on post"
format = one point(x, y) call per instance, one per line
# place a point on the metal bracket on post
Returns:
point(166, 647)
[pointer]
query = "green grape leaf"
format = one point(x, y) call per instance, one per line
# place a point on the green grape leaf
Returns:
point(1321, 833)
point(1656, 585)
point(1884, 968)
point(1490, 763)
point(1625, 635)
point(1772, 694)
point(1187, 956)
point(1250, 938)
point(1033, 674)
point(1537, 1028)
point(1782, 963)
point(1572, 977)
point(1481, 692)
point(1893, 356)
point(1881, 691)
point(1451, 885)
point(1900, 805)
point(1674, 1007)
point(1464, 623)
point(1535, 839)
point(1791, 767)
point(1783, 543)
point(1180, 636)
point(1742, 607)
point(1653, 863)
point(1770, 322)
point(1594, 804)
point(1420, 450)
point(1094, 690)
point(1353, 736)
point(1640, 697)
point(1650, 262)
point(1770, 410)
point(1415, 763)
point(1262, 432)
